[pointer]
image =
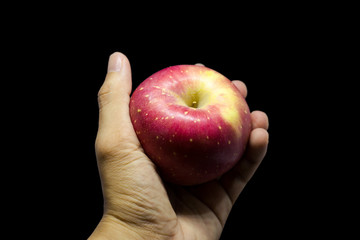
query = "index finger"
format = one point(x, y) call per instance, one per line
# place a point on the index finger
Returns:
point(241, 86)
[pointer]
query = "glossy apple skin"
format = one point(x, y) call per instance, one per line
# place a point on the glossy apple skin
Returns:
point(192, 122)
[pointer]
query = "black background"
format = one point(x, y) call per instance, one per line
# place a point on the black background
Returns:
point(281, 57)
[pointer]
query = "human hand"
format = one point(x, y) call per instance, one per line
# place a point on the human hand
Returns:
point(137, 203)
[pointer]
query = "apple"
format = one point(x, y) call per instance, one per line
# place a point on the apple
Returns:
point(192, 122)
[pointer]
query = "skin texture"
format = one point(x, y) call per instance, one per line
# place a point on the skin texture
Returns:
point(137, 203)
point(190, 144)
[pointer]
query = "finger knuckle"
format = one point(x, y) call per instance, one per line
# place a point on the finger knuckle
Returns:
point(103, 147)
point(104, 95)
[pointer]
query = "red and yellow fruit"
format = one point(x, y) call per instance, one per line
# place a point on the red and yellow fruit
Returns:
point(192, 122)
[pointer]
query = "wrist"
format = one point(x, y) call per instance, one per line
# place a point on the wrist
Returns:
point(111, 228)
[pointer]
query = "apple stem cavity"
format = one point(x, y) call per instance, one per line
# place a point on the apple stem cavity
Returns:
point(192, 100)
point(194, 104)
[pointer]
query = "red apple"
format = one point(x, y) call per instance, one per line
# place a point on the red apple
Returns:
point(192, 122)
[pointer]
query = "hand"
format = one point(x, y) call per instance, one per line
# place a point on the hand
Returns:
point(137, 203)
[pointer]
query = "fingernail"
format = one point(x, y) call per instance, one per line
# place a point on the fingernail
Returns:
point(114, 62)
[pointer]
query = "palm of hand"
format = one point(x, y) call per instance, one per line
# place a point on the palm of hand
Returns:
point(135, 194)
point(140, 198)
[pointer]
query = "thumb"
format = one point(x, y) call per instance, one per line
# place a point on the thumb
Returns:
point(114, 99)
